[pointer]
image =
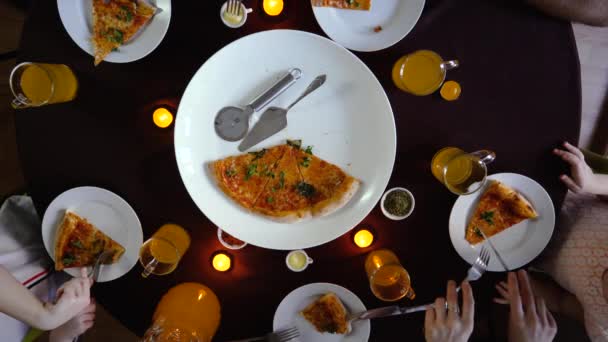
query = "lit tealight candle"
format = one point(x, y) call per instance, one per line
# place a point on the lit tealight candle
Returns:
point(221, 262)
point(273, 7)
point(162, 117)
point(364, 238)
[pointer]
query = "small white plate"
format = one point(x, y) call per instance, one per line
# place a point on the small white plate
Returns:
point(77, 18)
point(395, 217)
point(519, 244)
point(354, 29)
point(288, 313)
point(109, 213)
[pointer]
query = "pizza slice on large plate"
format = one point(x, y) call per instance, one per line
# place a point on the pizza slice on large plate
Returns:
point(344, 4)
point(78, 243)
point(115, 22)
point(499, 208)
point(327, 187)
point(245, 176)
point(280, 199)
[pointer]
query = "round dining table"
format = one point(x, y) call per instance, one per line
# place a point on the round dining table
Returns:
point(521, 97)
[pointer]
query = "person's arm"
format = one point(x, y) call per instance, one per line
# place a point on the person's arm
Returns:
point(18, 302)
point(445, 322)
point(590, 12)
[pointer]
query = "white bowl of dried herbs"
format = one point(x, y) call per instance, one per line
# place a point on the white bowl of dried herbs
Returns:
point(397, 203)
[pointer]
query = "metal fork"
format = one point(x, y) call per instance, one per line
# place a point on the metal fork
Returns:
point(234, 7)
point(282, 335)
point(479, 266)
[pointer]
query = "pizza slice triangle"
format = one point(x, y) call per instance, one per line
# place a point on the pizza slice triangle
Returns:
point(327, 314)
point(116, 22)
point(245, 176)
point(78, 243)
point(327, 187)
point(280, 198)
point(499, 208)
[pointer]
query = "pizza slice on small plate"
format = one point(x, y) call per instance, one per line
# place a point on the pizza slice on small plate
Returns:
point(327, 314)
point(78, 243)
point(327, 187)
point(244, 177)
point(499, 208)
point(116, 22)
point(280, 199)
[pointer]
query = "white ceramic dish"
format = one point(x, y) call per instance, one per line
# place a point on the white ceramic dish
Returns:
point(338, 120)
point(519, 244)
point(288, 313)
point(109, 213)
point(396, 217)
point(354, 29)
point(226, 244)
point(76, 16)
point(307, 262)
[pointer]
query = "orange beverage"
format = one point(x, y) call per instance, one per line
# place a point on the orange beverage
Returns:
point(421, 72)
point(389, 281)
point(187, 312)
point(462, 173)
point(37, 84)
point(163, 251)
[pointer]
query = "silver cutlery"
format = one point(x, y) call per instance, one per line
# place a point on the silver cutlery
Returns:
point(282, 335)
point(274, 119)
point(101, 259)
point(479, 266)
point(232, 123)
point(502, 262)
point(387, 311)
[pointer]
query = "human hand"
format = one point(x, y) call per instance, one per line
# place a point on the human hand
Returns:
point(529, 320)
point(76, 326)
point(456, 327)
point(583, 179)
point(72, 298)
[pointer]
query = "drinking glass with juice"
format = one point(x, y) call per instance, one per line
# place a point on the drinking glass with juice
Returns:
point(163, 251)
point(421, 72)
point(462, 173)
point(388, 280)
point(38, 84)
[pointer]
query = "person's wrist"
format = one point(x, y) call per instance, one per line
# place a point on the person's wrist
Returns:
point(44, 318)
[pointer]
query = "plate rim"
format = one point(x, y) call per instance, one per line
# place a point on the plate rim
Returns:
point(366, 324)
point(495, 266)
point(315, 9)
point(134, 55)
point(392, 151)
point(48, 244)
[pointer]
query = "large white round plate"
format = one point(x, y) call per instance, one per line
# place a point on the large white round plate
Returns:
point(348, 121)
point(109, 213)
point(288, 313)
point(519, 244)
point(354, 29)
point(77, 18)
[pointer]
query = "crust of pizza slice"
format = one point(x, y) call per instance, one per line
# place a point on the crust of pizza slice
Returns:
point(117, 22)
point(244, 177)
point(499, 208)
point(364, 5)
point(327, 314)
point(333, 188)
point(78, 243)
point(280, 201)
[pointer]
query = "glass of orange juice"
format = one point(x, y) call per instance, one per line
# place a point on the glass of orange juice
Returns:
point(388, 280)
point(37, 84)
point(187, 312)
point(462, 173)
point(163, 251)
point(421, 72)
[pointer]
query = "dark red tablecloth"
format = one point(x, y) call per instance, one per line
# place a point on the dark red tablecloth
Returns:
point(521, 97)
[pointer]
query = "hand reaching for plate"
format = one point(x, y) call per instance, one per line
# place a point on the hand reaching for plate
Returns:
point(453, 326)
point(582, 177)
point(529, 320)
point(72, 298)
point(75, 326)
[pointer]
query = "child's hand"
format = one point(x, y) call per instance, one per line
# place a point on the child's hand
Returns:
point(76, 326)
point(583, 179)
point(72, 298)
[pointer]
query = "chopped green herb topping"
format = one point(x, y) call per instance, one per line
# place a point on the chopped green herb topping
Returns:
point(115, 35)
point(478, 232)
point(68, 259)
point(252, 170)
point(398, 203)
point(488, 216)
point(306, 161)
point(305, 189)
point(76, 243)
point(281, 180)
point(269, 199)
point(308, 150)
point(230, 172)
point(295, 143)
point(257, 155)
point(125, 14)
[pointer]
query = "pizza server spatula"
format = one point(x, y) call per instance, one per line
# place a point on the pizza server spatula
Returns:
point(232, 123)
point(274, 119)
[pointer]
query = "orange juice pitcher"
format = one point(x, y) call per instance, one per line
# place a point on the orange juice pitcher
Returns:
point(421, 72)
point(388, 280)
point(188, 312)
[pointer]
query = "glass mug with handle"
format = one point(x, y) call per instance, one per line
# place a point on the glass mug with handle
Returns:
point(421, 72)
point(162, 252)
point(461, 172)
point(388, 280)
point(38, 84)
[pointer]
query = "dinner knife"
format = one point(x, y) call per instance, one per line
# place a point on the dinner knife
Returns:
point(502, 262)
point(387, 311)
